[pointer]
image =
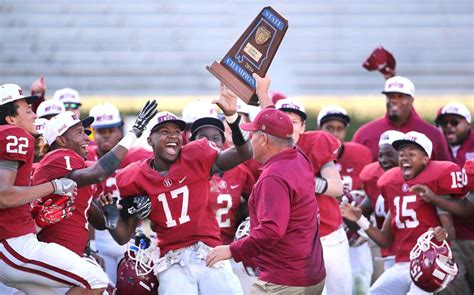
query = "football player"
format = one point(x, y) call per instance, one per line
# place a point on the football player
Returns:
point(108, 131)
point(322, 149)
point(375, 203)
point(26, 263)
point(177, 183)
point(351, 158)
point(67, 138)
point(410, 215)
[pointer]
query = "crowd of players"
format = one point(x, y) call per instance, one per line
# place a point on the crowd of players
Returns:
point(401, 183)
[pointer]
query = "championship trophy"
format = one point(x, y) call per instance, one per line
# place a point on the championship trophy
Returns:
point(252, 53)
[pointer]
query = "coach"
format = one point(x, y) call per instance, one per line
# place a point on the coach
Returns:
point(284, 236)
point(401, 116)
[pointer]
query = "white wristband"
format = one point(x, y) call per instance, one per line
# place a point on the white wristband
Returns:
point(92, 246)
point(363, 222)
point(128, 140)
point(231, 119)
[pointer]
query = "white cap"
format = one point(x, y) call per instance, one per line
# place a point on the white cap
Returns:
point(59, 124)
point(333, 112)
point(67, 95)
point(50, 107)
point(415, 138)
point(12, 92)
point(198, 109)
point(105, 116)
point(399, 84)
point(291, 105)
point(454, 108)
point(389, 136)
point(40, 124)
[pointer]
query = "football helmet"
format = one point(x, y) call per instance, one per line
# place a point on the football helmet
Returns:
point(355, 198)
point(135, 271)
point(243, 230)
point(432, 266)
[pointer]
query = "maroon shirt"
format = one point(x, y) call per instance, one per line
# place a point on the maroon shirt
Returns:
point(284, 236)
point(369, 134)
point(464, 226)
point(410, 215)
point(17, 145)
point(72, 232)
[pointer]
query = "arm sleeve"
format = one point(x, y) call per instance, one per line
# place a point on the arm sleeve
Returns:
point(272, 220)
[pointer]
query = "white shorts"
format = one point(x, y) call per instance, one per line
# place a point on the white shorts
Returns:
point(337, 263)
point(26, 261)
point(362, 268)
point(396, 281)
point(187, 273)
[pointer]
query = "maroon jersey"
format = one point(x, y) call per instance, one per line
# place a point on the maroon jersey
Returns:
point(180, 200)
point(109, 185)
point(225, 198)
point(369, 134)
point(410, 215)
point(369, 176)
point(73, 232)
point(17, 145)
point(353, 158)
point(464, 225)
point(321, 147)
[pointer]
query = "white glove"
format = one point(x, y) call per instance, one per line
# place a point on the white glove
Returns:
point(64, 186)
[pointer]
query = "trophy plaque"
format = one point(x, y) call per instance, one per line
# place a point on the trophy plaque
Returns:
point(252, 53)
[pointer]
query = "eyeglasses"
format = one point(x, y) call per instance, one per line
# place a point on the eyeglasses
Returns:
point(452, 122)
point(73, 106)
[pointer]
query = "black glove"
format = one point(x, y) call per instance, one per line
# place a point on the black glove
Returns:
point(112, 214)
point(145, 115)
point(140, 206)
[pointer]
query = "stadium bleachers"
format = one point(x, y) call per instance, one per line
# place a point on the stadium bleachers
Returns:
point(162, 47)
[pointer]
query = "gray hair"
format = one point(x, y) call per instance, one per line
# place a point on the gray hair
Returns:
point(278, 141)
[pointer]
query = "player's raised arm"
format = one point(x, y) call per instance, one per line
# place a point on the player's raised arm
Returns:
point(107, 164)
point(241, 150)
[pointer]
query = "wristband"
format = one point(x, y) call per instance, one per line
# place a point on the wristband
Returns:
point(231, 119)
point(128, 140)
point(363, 223)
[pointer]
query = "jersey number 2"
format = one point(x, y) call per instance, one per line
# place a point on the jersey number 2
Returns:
point(170, 222)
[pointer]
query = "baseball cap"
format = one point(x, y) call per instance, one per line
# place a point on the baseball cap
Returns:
point(416, 138)
point(50, 107)
point(380, 59)
point(291, 105)
point(168, 117)
point(271, 121)
point(389, 136)
point(105, 116)
point(67, 95)
point(207, 122)
point(399, 84)
point(12, 92)
point(60, 123)
point(333, 112)
point(454, 108)
point(40, 124)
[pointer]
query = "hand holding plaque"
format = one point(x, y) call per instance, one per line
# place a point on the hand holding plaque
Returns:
point(252, 53)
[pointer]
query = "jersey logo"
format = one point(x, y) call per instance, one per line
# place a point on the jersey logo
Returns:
point(182, 179)
point(405, 187)
point(350, 170)
point(234, 186)
point(167, 182)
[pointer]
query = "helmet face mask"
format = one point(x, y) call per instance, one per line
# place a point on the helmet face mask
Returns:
point(243, 230)
point(432, 266)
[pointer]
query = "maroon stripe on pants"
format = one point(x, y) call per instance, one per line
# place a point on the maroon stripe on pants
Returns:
point(73, 276)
